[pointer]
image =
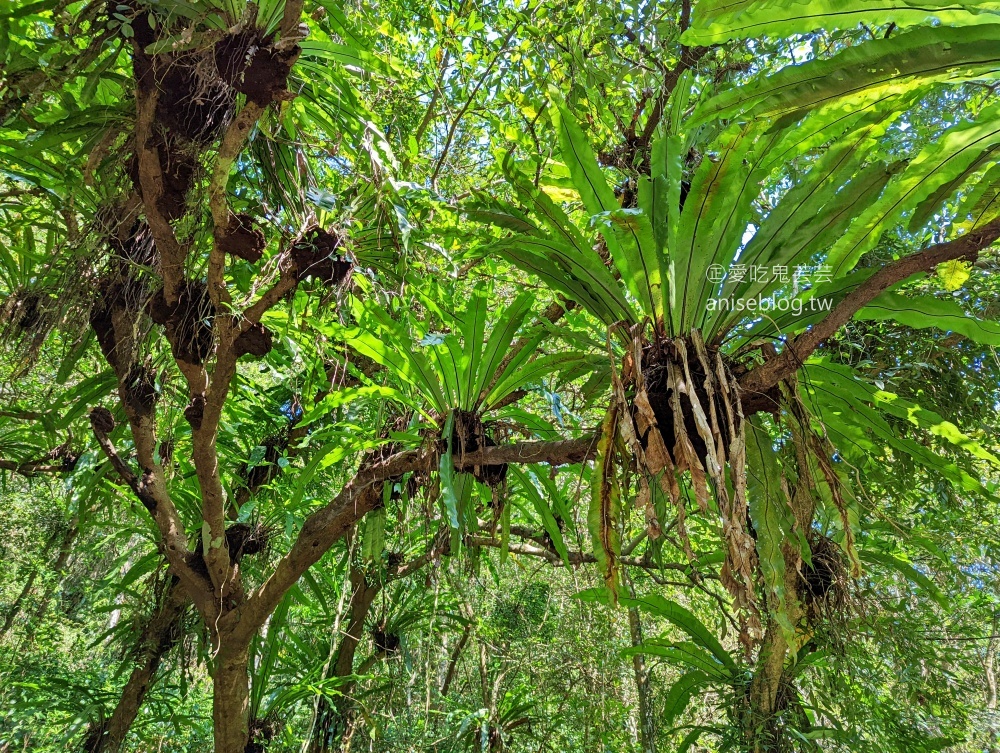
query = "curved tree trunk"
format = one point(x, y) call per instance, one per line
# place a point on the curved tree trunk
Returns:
point(161, 633)
point(647, 716)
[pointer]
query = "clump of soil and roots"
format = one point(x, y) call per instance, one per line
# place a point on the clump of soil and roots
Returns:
point(317, 254)
point(242, 540)
point(140, 389)
point(263, 472)
point(114, 316)
point(195, 93)
point(255, 341)
point(193, 101)
point(678, 410)
point(59, 297)
point(262, 732)
point(242, 239)
point(825, 589)
point(189, 321)
point(250, 64)
point(135, 246)
point(468, 435)
point(385, 642)
point(248, 539)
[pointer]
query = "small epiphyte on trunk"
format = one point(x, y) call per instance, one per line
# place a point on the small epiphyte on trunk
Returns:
point(241, 239)
point(101, 420)
point(140, 390)
point(315, 254)
point(255, 341)
point(195, 411)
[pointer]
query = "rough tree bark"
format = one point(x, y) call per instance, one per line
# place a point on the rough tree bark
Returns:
point(331, 717)
point(647, 714)
point(160, 634)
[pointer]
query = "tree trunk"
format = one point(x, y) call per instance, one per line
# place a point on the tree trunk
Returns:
point(991, 683)
point(765, 698)
point(65, 549)
point(231, 699)
point(160, 634)
point(332, 717)
point(453, 661)
point(647, 717)
point(15, 608)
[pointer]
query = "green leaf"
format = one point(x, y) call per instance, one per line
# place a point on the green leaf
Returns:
point(861, 75)
point(581, 277)
point(627, 236)
point(909, 572)
point(954, 153)
point(924, 312)
point(770, 512)
point(446, 470)
point(953, 274)
point(686, 621)
point(687, 654)
point(716, 21)
point(544, 510)
point(680, 694)
point(501, 336)
point(605, 507)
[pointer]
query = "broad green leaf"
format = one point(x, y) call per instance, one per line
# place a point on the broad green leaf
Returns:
point(923, 312)
point(954, 153)
point(686, 621)
point(954, 274)
point(716, 21)
point(909, 572)
point(446, 471)
point(544, 510)
point(862, 74)
point(770, 511)
point(680, 694)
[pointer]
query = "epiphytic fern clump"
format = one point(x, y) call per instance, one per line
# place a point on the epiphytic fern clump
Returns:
point(678, 411)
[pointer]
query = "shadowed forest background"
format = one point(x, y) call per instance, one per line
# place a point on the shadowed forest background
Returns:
point(442, 375)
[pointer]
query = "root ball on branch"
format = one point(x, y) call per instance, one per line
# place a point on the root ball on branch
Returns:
point(188, 322)
point(315, 254)
point(140, 390)
point(195, 411)
point(386, 643)
point(469, 435)
point(250, 64)
point(241, 239)
point(256, 341)
point(101, 420)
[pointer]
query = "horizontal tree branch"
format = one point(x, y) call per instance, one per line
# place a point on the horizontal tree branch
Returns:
point(361, 495)
point(51, 463)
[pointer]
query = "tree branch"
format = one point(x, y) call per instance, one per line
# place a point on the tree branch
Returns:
point(59, 460)
point(361, 495)
point(171, 252)
point(760, 380)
